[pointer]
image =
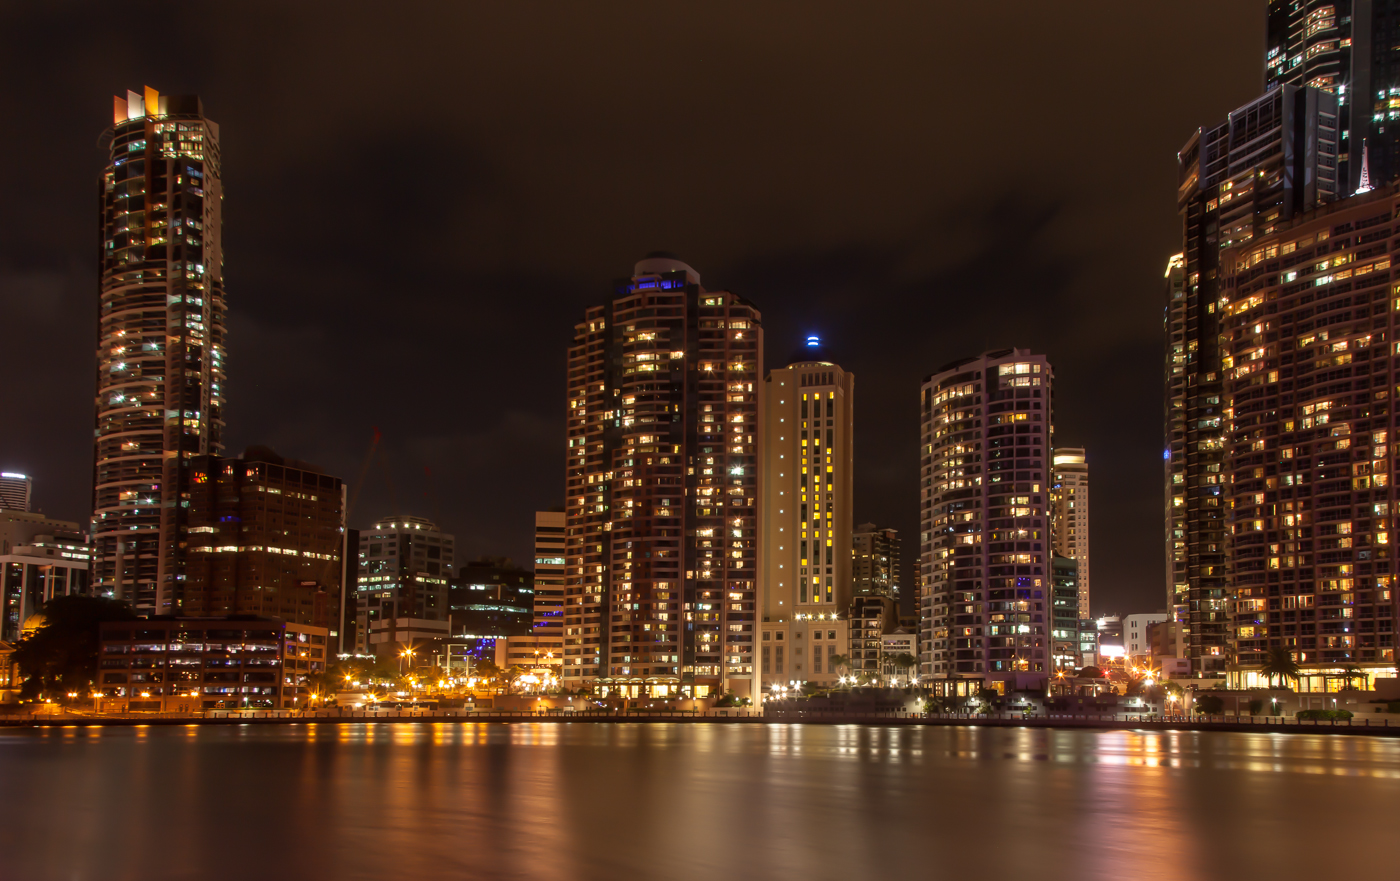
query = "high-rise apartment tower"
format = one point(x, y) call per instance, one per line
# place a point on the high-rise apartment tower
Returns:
point(807, 500)
point(1347, 48)
point(1272, 159)
point(984, 544)
point(662, 476)
point(406, 564)
point(160, 341)
point(1069, 516)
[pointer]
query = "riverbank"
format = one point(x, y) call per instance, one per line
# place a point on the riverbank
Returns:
point(1258, 724)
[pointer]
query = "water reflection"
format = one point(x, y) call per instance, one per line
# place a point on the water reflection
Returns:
point(680, 801)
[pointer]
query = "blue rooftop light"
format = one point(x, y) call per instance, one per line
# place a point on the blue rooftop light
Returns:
point(813, 341)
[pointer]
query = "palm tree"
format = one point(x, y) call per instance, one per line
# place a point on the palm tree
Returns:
point(1279, 663)
point(836, 662)
point(904, 661)
point(1351, 673)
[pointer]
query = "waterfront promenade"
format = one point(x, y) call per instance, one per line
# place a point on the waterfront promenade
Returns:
point(1124, 722)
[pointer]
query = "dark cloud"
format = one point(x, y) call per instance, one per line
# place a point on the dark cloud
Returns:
point(421, 199)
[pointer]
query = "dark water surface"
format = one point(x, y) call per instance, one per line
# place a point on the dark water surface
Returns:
point(683, 801)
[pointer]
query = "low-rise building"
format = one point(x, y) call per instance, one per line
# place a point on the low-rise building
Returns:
point(173, 664)
point(1137, 637)
point(892, 645)
point(40, 558)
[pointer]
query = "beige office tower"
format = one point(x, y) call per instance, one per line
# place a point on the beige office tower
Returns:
point(806, 520)
point(1069, 515)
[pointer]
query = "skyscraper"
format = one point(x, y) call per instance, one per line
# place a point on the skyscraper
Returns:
point(1272, 159)
point(15, 490)
point(1069, 516)
point(1345, 47)
point(265, 537)
point(160, 341)
point(1309, 327)
point(984, 545)
point(662, 478)
point(1174, 448)
point(807, 501)
point(875, 590)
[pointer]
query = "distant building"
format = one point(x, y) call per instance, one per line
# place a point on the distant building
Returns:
point(16, 491)
point(548, 626)
point(188, 664)
point(875, 561)
point(1064, 633)
point(1069, 515)
point(870, 618)
point(160, 340)
point(1088, 643)
point(662, 478)
point(892, 645)
point(1112, 649)
point(984, 563)
point(491, 596)
point(406, 564)
point(40, 558)
point(807, 515)
point(1137, 637)
point(264, 536)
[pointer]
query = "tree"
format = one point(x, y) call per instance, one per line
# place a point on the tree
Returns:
point(61, 655)
point(1351, 673)
point(837, 662)
point(1278, 662)
point(904, 661)
point(1210, 704)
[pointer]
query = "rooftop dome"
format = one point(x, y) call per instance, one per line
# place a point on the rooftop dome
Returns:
point(659, 262)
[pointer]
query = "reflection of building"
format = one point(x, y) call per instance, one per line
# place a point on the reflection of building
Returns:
point(548, 628)
point(188, 664)
point(984, 562)
point(807, 490)
point(1240, 180)
point(16, 490)
point(492, 597)
point(1309, 474)
point(40, 559)
point(1069, 515)
point(160, 340)
point(662, 483)
point(402, 588)
point(265, 537)
point(1064, 633)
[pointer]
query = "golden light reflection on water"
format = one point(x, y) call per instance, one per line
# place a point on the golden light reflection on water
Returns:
point(678, 801)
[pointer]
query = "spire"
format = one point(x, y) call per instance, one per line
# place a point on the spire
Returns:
point(1365, 184)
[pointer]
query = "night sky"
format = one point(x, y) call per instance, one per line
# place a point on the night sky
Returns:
point(419, 204)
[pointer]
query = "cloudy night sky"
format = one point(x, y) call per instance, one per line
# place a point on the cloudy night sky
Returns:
point(420, 202)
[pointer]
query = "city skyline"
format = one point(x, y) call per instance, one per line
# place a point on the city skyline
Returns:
point(927, 259)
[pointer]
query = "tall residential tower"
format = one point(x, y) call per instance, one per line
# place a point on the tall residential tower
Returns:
point(662, 479)
point(984, 546)
point(160, 341)
point(1069, 516)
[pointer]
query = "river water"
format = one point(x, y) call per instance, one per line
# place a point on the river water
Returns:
point(683, 801)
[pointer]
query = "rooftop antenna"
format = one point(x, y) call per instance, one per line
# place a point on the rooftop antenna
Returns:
point(1365, 184)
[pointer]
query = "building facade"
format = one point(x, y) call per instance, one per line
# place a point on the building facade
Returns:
point(1345, 47)
point(243, 662)
point(806, 514)
point(40, 558)
point(1069, 515)
point(491, 596)
point(1065, 596)
point(406, 565)
point(984, 554)
point(160, 341)
point(1310, 368)
point(662, 478)
point(550, 575)
point(264, 536)
point(1239, 180)
point(1137, 635)
point(16, 491)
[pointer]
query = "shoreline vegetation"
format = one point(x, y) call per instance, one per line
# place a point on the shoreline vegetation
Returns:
point(1256, 724)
